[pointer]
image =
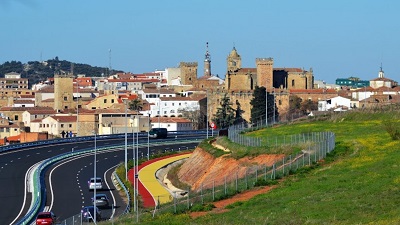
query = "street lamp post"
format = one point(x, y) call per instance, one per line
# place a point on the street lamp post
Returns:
point(134, 165)
point(148, 138)
point(207, 112)
point(77, 108)
point(126, 143)
point(273, 121)
point(137, 175)
point(95, 178)
point(266, 106)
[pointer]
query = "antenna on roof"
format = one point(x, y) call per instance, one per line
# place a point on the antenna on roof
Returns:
point(109, 61)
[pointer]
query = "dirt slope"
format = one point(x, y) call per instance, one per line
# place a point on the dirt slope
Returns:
point(202, 168)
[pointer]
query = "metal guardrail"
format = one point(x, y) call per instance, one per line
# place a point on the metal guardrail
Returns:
point(38, 195)
point(128, 206)
point(88, 138)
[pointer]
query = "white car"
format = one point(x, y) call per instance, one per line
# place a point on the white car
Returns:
point(95, 183)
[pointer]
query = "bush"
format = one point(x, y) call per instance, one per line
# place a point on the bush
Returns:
point(392, 127)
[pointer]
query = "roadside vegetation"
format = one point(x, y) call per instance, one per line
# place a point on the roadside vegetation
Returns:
point(358, 183)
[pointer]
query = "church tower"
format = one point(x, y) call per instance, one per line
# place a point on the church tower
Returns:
point(234, 61)
point(207, 63)
point(381, 74)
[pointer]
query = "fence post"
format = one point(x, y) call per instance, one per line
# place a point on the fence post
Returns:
point(213, 190)
point(188, 200)
point(256, 174)
point(225, 185)
point(265, 172)
point(246, 178)
point(201, 190)
point(236, 182)
point(175, 202)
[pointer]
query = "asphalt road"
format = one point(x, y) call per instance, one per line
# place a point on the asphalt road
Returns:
point(14, 167)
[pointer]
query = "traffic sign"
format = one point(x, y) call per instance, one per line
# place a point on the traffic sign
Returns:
point(213, 126)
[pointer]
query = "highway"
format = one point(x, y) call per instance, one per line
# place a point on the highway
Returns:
point(69, 177)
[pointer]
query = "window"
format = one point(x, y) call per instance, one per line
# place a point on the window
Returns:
point(280, 102)
point(65, 98)
point(69, 125)
point(292, 83)
point(62, 125)
point(112, 100)
point(173, 104)
point(105, 101)
point(165, 112)
point(15, 117)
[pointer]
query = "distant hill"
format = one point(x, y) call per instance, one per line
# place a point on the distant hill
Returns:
point(37, 71)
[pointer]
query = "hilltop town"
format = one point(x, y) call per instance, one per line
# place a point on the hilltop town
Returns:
point(177, 98)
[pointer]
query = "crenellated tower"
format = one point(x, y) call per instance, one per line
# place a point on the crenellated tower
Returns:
point(188, 72)
point(63, 91)
point(265, 73)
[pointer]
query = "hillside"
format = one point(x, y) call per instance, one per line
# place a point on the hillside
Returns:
point(37, 71)
point(202, 169)
point(358, 184)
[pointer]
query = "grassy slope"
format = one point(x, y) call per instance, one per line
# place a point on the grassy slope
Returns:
point(360, 187)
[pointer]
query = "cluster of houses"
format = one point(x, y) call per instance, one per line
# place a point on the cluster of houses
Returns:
point(69, 105)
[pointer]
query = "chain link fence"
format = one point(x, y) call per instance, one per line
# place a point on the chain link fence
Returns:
point(315, 147)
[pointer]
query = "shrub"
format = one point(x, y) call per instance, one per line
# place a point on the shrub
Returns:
point(392, 127)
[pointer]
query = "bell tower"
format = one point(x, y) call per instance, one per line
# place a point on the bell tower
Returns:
point(207, 62)
point(234, 61)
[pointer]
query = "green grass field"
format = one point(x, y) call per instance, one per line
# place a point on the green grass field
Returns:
point(358, 185)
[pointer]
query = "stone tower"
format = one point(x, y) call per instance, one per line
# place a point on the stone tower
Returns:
point(207, 63)
point(63, 91)
point(265, 76)
point(234, 60)
point(188, 72)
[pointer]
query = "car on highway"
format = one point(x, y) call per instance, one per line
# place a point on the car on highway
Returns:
point(88, 212)
point(46, 218)
point(101, 200)
point(158, 133)
point(95, 183)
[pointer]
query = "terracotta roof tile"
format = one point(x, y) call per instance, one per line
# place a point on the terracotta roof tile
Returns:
point(64, 119)
point(170, 120)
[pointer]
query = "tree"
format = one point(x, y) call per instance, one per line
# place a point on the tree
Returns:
point(308, 106)
point(192, 114)
point(135, 104)
point(225, 115)
point(238, 113)
point(258, 105)
point(294, 103)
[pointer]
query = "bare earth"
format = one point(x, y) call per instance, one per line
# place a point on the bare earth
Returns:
point(220, 205)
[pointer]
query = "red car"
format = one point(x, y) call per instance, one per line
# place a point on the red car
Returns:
point(45, 218)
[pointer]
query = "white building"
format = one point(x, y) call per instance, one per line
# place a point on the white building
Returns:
point(336, 104)
point(171, 123)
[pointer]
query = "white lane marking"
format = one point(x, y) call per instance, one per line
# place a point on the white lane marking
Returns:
point(112, 195)
point(27, 174)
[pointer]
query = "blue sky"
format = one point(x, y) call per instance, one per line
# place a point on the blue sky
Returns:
point(336, 38)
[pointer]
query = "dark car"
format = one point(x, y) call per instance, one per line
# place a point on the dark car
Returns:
point(101, 200)
point(87, 213)
point(158, 133)
point(45, 218)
